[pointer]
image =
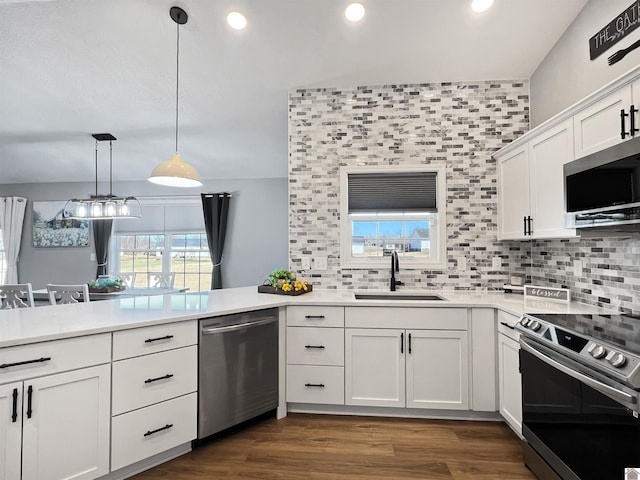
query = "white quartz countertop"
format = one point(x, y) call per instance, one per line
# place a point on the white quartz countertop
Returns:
point(30, 325)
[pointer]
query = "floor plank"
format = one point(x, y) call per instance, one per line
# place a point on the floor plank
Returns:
point(334, 447)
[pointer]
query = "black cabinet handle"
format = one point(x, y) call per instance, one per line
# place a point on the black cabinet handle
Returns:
point(623, 133)
point(29, 398)
point(319, 385)
point(14, 414)
point(632, 120)
point(166, 427)
point(524, 222)
point(26, 362)
point(320, 347)
point(409, 344)
point(529, 225)
point(314, 316)
point(507, 325)
point(151, 380)
point(150, 340)
point(402, 343)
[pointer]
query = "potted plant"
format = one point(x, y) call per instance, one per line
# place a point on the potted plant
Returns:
point(106, 284)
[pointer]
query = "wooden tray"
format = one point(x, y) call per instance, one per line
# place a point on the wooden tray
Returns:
point(278, 291)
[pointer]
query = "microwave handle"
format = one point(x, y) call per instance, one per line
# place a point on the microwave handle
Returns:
point(623, 132)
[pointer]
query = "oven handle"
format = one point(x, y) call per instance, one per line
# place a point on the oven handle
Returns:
point(596, 385)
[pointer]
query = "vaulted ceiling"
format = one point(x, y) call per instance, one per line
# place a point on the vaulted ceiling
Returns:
point(69, 68)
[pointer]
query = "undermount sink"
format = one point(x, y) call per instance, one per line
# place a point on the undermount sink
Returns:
point(397, 296)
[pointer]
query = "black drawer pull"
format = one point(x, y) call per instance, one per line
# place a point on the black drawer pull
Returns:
point(166, 337)
point(507, 325)
point(151, 380)
point(319, 385)
point(320, 347)
point(14, 414)
point(26, 362)
point(314, 316)
point(409, 344)
point(29, 398)
point(166, 427)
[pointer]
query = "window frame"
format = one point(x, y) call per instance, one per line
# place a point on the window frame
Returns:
point(3, 261)
point(437, 261)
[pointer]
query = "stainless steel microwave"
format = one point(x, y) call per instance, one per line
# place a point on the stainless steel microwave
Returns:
point(602, 190)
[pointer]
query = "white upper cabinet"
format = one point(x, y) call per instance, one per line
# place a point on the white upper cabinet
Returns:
point(531, 200)
point(600, 125)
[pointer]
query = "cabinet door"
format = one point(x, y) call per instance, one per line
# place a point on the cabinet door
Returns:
point(374, 367)
point(513, 194)
point(10, 430)
point(66, 434)
point(598, 126)
point(437, 369)
point(548, 152)
point(510, 388)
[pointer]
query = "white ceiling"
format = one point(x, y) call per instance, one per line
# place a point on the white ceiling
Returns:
point(69, 68)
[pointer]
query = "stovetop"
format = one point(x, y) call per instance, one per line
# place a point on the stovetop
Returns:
point(609, 344)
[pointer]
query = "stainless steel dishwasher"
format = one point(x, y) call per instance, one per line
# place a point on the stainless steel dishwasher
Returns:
point(237, 370)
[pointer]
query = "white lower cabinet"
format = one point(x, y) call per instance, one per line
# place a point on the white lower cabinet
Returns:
point(510, 387)
point(407, 368)
point(59, 422)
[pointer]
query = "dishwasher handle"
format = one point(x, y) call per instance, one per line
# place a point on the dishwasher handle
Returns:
point(239, 326)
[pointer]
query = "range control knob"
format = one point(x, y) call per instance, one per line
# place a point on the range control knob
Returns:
point(524, 321)
point(598, 351)
point(618, 360)
point(535, 325)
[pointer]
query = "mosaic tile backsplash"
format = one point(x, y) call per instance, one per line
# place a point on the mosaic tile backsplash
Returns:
point(461, 124)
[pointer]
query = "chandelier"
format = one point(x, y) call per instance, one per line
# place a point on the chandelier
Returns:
point(98, 207)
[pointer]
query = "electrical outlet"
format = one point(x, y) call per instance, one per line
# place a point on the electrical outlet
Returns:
point(462, 264)
point(320, 263)
point(305, 263)
point(496, 263)
point(92, 257)
point(577, 268)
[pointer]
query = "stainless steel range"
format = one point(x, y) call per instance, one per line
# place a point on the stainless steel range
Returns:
point(580, 395)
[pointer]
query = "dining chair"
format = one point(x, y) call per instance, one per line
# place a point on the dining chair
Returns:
point(129, 278)
point(61, 294)
point(19, 295)
point(160, 280)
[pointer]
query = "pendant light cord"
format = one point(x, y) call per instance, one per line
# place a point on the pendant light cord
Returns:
point(110, 168)
point(96, 168)
point(177, 77)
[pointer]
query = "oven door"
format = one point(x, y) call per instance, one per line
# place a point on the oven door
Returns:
point(584, 427)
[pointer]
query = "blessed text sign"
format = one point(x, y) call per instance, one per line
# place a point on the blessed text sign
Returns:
point(548, 293)
point(615, 31)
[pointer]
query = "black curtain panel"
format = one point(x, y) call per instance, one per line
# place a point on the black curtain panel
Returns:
point(216, 211)
point(102, 237)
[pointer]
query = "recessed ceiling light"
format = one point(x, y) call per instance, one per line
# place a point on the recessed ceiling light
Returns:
point(481, 5)
point(354, 12)
point(236, 20)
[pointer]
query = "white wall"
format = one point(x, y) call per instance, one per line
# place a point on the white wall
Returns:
point(256, 240)
point(567, 75)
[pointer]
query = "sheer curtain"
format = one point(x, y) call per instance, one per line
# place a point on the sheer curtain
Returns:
point(216, 212)
point(11, 219)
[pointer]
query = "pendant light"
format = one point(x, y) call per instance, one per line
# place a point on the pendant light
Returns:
point(99, 207)
point(175, 172)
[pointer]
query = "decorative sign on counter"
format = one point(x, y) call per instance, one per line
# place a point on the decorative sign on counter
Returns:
point(615, 30)
point(548, 293)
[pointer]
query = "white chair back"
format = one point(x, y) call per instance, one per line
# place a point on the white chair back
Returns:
point(129, 278)
point(160, 280)
point(19, 295)
point(61, 294)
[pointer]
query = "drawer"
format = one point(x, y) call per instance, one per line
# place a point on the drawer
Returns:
point(44, 358)
point(505, 321)
point(315, 316)
point(313, 384)
point(146, 432)
point(430, 318)
point(142, 381)
point(158, 338)
point(315, 346)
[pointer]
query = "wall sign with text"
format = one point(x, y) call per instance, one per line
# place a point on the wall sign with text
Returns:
point(615, 30)
point(548, 293)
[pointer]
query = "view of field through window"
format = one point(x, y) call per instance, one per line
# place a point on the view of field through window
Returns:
point(371, 237)
point(185, 254)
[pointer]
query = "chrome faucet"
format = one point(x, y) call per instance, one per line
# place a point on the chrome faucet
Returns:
point(395, 267)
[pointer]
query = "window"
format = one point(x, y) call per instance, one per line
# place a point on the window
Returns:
point(393, 208)
point(186, 254)
point(3, 262)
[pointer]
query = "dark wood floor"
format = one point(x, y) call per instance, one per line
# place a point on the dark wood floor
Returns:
point(354, 448)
